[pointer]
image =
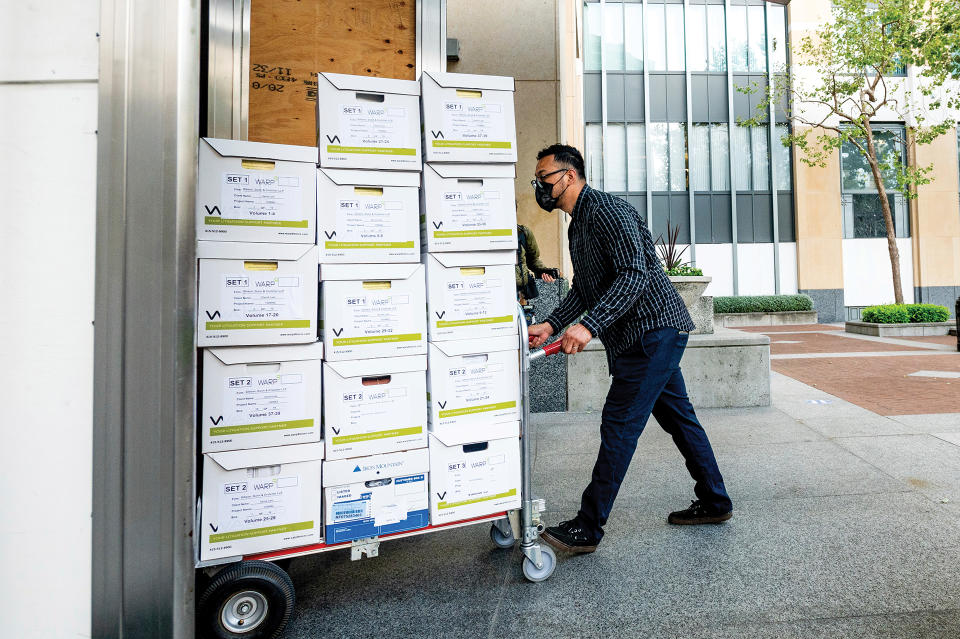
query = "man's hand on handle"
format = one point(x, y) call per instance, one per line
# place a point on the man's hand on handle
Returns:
point(573, 340)
point(539, 333)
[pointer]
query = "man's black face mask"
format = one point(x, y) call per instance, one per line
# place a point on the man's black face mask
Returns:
point(544, 192)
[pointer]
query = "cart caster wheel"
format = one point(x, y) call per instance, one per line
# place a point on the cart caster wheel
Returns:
point(549, 559)
point(500, 539)
point(248, 600)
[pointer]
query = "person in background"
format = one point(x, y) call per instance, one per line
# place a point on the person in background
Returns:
point(529, 268)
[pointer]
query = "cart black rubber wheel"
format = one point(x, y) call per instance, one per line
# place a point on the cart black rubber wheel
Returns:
point(500, 540)
point(248, 600)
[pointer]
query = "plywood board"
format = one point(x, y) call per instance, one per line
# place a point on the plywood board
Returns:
point(292, 40)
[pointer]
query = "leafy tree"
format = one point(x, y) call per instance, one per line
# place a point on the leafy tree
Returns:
point(849, 73)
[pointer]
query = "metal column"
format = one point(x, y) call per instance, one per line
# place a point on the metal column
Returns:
point(731, 124)
point(143, 455)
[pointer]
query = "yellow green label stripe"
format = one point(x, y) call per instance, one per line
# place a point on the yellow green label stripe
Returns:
point(473, 410)
point(476, 233)
point(244, 429)
point(260, 532)
point(370, 150)
point(213, 220)
point(474, 322)
point(444, 505)
point(471, 144)
point(383, 434)
point(377, 339)
point(256, 324)
point(369, 245)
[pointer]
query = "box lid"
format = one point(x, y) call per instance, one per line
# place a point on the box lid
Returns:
point(458, 347)
point(368, 272)
point(263, 150)
point(378, 366)
point(252, 250)
point(230, 355)
point(359, 469)
point(475, 258)
point(472, 434)
point(371, 85)
point(351, 177)
point(474, 171)
point(470, 81)
point(254, 457)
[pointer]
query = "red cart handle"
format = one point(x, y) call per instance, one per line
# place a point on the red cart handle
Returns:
point(546, 351)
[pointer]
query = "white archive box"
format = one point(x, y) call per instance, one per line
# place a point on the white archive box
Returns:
point(372, 310)
point(473, 382)
point(260, 499)
point(471, 295)
point(373, 406)
point(469, 207)
point(256, 192)
point(368, 216)
point(468, 118)
point(256, 293)
point(474, 472)
point(376, 495)
point(368, 123)
point(261, 396)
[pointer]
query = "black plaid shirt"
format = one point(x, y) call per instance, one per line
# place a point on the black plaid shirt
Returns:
point(618, 279)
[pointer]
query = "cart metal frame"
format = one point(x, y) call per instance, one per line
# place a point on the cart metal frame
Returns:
point(539, 561)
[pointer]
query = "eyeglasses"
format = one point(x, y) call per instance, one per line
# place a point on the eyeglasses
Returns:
point(538, 181)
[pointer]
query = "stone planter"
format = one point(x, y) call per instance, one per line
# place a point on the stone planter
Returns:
point(919, 329)
point(691, 289)
point(780, 318)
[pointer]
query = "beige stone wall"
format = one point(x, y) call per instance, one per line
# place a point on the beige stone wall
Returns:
point(936, 216)
point(819, 220)
point(519, 39)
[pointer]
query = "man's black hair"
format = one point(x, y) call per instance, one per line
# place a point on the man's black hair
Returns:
point(565, 155)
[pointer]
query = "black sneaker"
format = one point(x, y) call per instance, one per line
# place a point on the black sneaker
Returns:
point(697, 513)
point(570, 536)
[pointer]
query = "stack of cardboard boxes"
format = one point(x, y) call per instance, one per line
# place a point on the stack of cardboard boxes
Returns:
point(318, 430)
point(469, 238)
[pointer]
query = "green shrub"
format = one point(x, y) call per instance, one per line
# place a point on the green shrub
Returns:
point(762, 304)
point(684, 270)
point(905, 313)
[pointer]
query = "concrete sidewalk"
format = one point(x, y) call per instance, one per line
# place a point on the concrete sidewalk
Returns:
point(847, 525)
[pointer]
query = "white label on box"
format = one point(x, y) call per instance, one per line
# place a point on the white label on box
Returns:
point(261, 296)
point(472, 385)
point(388, 508)
point(371, 406)
point(256, 402)
point(473, 121)
point(351, 510)
point(466, 211)
point(371, 314)
point(260, 200)
point(472, 297)
point(363, 125)
point(474, 475)
point(367, 222)
point(260, 502)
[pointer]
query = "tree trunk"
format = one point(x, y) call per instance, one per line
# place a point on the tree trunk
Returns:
point(887, 216)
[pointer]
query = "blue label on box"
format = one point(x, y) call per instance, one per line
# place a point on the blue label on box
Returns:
point(337, 533)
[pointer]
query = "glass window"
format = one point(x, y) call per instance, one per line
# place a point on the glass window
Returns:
point(716, 27)
point(778, 37)
point(868, 215)
point(863, 213)
point(633, 26)
point(593, 141)
point(720, 157)
point(742, 158)
point(738, 39)
point(757, 31)
point(678, 156)
point(697, 44)
point(614, 158)
point(592, 29)
point(613, 36)
point(857, 175)
point(781, 159)
point(759, 136)
point(675, 57)
point(656, 41)
point(659, 157)
point(636, 158)
point(700, 157)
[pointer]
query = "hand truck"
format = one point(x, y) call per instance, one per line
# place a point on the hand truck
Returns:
point(252, 596)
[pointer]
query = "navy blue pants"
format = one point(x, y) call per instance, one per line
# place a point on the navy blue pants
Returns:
point(647, 379)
